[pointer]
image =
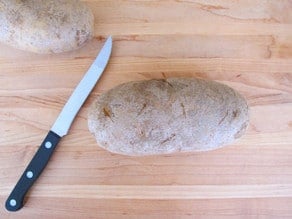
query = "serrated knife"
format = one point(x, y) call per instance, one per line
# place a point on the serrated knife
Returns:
point(59, 129)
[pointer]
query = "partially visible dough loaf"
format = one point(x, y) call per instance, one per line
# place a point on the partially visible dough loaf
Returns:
point(45, 26)
point(166, 116)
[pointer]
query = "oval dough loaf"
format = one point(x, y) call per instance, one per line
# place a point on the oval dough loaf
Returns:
point(167, 116)
point(45, 26)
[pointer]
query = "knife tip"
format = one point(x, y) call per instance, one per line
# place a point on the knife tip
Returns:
point(109, 39)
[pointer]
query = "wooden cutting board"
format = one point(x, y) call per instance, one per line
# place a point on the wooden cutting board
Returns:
point(244, 44)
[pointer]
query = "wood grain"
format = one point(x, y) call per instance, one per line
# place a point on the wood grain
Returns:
point(244, 44)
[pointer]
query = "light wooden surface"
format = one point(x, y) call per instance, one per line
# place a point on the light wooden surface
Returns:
point(245, 44)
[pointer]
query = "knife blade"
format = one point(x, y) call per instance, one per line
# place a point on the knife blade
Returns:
point(59, 129)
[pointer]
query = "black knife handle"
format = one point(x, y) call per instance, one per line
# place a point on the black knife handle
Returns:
point(32, 172)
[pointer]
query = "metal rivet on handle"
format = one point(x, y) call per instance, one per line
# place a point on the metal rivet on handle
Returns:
point(12, 202)
point(29, 174)
point(48, 144)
